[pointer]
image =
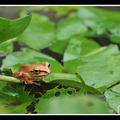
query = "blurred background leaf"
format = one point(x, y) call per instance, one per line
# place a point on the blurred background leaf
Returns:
point(40, 32)
point(12, 100)
point(70, 104)
point(113, 97)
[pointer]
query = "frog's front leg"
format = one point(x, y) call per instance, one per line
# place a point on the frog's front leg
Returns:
point(17, 74)
point(42, 79)
point(27, 81)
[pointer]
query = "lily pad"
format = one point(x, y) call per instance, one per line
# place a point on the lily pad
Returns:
point(101, 69)
point(70, 104)
point(16, 104)
point(113, 97)
point(39, 33)
point(12, 28)
point(6, 47)
point(77, 84)
point(79, 46)
point(98, 68)
point(65, 30)
point(68, 27)
point(102, 22)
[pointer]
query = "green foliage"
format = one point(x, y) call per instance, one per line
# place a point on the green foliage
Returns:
point(6, 47)
point(39, 33)
point(12, 28)
point(96, 67)
point(12, 100)
point(70, 104)
point(113, 97)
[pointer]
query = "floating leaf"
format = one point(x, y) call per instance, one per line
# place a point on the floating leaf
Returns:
point(39, 33)
point(79, 46)
point(12, 28)
point(76, 84)
point(16, 104)
point(70, 104)
point(102, 22)
point(6, 47)
point(68, 27)
point(58, 46)
point(113, 97)
point(101, 69)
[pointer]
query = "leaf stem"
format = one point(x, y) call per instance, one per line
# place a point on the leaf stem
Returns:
point(9, 79)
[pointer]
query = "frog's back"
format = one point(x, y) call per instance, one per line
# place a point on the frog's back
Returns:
point(29, 67)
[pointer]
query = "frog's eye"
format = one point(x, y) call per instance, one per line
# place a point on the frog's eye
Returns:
point(48, 65)
point(37, 71)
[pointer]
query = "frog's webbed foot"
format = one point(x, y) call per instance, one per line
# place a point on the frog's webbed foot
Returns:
point(42, 79)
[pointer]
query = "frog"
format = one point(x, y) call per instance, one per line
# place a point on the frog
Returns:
point(29, 73)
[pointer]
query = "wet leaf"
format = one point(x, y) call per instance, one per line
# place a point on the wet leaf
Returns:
point(68, 27)
point(113, 98)
point(65, 30)
point(73, 82)
point(39, 33)
point(102, 22)
point(6, 47)
point(59, 46)
point(79, 46)
point(115, 39)
point(12, 28)
point(97, 70)
point(16, 104)
point(70, 104)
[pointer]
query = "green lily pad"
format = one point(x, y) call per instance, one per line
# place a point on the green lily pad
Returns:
point(16, 104)
point(68, 27)
point(70, 80)
point(115, 39)
point(65, 30)
point(113, 98)
point(12, 28)
point(77, 84)
point(39, 33)
point(101, 69)
point(58, 46)
point(79, 46)
point(70, 104)
point(6, 47)
point(98, 68)
point(102, 22)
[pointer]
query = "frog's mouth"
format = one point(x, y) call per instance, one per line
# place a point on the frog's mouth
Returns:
point(40, 76)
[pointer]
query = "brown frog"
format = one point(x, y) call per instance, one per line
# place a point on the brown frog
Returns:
point(29, 73)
